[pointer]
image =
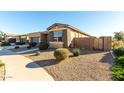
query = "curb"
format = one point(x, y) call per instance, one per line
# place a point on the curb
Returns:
point(113, 56)
point(31, 50)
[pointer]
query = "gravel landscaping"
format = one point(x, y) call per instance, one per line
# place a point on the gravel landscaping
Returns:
point(90, 65)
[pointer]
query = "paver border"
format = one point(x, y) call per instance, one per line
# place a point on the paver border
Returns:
point(113, 55)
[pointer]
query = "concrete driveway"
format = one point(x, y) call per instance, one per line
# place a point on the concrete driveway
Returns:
point(16, 68)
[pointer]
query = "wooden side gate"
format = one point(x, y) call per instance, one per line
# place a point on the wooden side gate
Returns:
point(102, 43)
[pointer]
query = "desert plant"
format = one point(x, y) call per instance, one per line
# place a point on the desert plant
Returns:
point(117, 67)
point(76, 52)
point(28, 47)
point(119, 51)
point(61, 54)
point(43, 46)
point(33, 44)
point(5, 44)
point(118, 73)
point(16, 47)
point(117, 44)
point(120, 61)
point(1, 63)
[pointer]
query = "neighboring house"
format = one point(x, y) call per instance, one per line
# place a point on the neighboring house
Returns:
point(21, 38)
point(57, 35)
point(37, 37)
point(7, 37)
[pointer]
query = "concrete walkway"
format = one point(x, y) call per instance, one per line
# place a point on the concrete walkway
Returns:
point(16, 68)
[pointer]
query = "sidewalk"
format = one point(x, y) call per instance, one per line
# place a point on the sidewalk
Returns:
point(16, 68)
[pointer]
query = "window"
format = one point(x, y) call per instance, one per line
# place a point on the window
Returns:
point(57, 36)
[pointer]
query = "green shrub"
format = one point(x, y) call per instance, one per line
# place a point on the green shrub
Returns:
point(118, 73)
point(119, 51)
point(28, 47)
point(120, 61)
point(16, 47)
point(43, 46)
point(76, 52)
point(32, 44)
point(5, 44)
point(1, 64)
point(117, 68)
point(61, 54)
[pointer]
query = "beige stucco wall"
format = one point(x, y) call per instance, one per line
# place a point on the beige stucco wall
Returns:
point(37, 34)
point(56, 28)
point(74, 34)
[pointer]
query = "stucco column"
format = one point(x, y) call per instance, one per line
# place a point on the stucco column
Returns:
point(50, 36)
point(29, 39)
point(66, 38)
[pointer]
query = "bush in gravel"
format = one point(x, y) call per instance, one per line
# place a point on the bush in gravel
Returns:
point(1, 63)
point(61, 54)
point(33, 44)
point(76, 52)
point(5, 44)
point(119, 51)
point(16, 47)
point(118, 73)
point(28, 47)
point(43, 46)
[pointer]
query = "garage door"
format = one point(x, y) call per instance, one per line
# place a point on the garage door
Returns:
point(35, 39)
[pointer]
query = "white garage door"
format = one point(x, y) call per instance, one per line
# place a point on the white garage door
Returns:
point(35, 39)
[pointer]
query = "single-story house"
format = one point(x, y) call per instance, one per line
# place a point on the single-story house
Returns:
point(64, 34)
point(21, 38)
point(9, 37)
point(57, 35)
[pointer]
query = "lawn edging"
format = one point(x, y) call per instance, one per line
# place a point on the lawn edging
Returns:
point(113, 55)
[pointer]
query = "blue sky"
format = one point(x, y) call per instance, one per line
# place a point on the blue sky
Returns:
point(93, 23)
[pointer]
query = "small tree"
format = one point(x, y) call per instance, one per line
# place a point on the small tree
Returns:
point(119, 36)
point(3, 35)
